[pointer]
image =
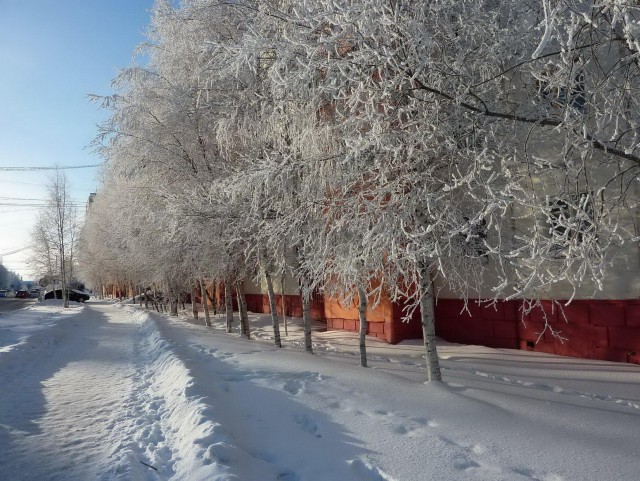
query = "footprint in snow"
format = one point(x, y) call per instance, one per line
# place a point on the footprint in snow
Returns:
point(293, 386)
point(535, 476)
point(220, 452)
point(464, 464)
point(426, 422)
point(287, 476)
point(367, 472)
point(307, 424)
point(401, 424)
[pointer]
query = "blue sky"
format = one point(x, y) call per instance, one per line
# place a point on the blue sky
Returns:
point(52, 54)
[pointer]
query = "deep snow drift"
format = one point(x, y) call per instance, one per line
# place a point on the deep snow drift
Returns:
point(112, 392)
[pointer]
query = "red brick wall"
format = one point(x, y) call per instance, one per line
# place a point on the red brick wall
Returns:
point(401, 329)
point(595, 329)
point(484, 325)
point(254, 302)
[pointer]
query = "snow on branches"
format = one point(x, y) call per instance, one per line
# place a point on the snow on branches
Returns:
point(476, 149)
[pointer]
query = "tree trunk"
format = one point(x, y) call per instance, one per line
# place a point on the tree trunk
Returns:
point(140, 295)
point(428, 325)
point(214, 301)
point(205, 305)
point(306, 317)
point(155, 300)
point(194, 304)
point(174, 306)
point(274, 309)
point(362, 315)
point(284, 307)
point(228, 303)
point(65, 292)
point(244, 314)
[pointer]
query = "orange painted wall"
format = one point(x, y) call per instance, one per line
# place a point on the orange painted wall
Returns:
point(293, 303)
point(345, 317)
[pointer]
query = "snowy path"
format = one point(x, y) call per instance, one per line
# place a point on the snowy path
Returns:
point(112, 392)
point(59, 408)
point(288, 415)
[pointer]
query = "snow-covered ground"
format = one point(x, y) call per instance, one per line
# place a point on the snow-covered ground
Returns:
point(109, 391)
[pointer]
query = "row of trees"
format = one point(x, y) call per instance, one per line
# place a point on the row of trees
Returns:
point(489, 148)
point(9, 279)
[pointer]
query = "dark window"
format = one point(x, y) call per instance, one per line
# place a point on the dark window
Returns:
point(571, 220)
point(475, 237)
point(574, 95)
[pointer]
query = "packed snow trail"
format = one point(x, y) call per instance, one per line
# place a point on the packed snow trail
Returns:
point(59, 407)
point(101, 392)
point(93, 393)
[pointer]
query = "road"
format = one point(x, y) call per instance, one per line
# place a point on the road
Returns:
point(17, 325)
point(8, 304)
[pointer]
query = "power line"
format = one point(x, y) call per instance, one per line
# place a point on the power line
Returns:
point(14, 251)
point(59, 167)
point(19, 198)
point(25, 201)
point(39, 201)
point(20, 209)
point(43, 185)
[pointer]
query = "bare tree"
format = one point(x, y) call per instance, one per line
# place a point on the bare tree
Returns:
point(55, 235)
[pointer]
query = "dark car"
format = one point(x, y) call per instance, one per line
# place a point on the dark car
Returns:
point(22, 295)
point(74, 295)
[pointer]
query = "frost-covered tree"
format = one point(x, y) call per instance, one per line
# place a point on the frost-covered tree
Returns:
point(474, 149)
point(487, 150)
point(9, 279)
point(162, 135)
point(54, 237)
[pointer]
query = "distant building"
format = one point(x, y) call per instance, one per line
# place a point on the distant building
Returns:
point(92, 197)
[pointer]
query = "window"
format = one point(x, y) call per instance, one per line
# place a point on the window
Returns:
point(571, 220)
point(572, 95)
point(474, 238)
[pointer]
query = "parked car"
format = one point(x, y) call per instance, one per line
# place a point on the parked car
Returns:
point(3, 293)
point(22, 295)
point(34, 293)
point(74, 295)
